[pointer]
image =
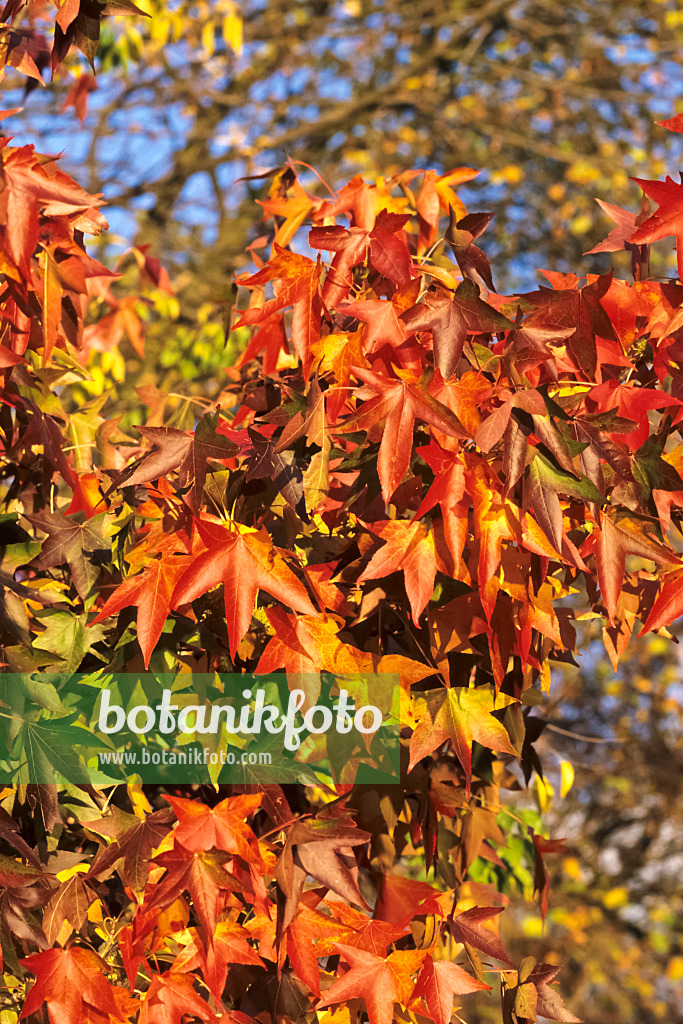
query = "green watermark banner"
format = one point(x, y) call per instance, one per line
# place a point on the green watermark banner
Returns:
point(200, 728)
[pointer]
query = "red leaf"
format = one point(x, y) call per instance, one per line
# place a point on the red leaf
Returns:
point(380, 981)
point(668, 220)
point(71, 981)
point(470, 927)
point(223, 826)
point(437, 984)
point(151, 591)
point(450, 318)
point(614, 541)
point(399, 403)
point(170, 997)
point(244, 561)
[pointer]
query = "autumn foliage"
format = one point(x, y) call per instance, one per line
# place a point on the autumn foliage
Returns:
point(406, 472)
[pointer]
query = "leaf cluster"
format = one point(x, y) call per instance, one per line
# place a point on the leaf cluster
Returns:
point(405, 472)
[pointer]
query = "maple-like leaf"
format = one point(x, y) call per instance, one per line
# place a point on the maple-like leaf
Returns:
point(616, 539)
point(202, 875)
point(363, 202)
point(448, 489)
point(32, 187)
point(68, 905)
point(401, 899)
point(388, 253)
point(179, 449)
point(324, 850)
point(152, 592)
point(310, 935)
point(450, 317)
point(618, 238)
point(244, 561)
point(470, 927)
point(438, 982)
point(669, 603)
point(305, 645)
point(223, 826)
point(172, 996)
point(668, 219)
point(269, 338)
point(299, 287)
point(339, 354)
point(399, 403)
point(72, 982)
point(364, 932)
point(350, 248)
point(79, 544)
point(281, 468)
point(380, 981)
point(436, 194)
point(383, 324)
point(412, 548)
point(575, 311)
point(288, 200)
point(229, 945)
point(133, 843)
point(461, 715)
point(549, 1003)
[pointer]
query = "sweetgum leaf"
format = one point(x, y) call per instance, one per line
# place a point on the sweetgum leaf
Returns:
point(439, 981)
point(72, 982)
point(80, 544)
point(460, 715)
point(449, 318)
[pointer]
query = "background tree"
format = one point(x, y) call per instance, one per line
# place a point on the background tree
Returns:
point(556, 102)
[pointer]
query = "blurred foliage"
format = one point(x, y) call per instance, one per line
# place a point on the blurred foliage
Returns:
point(557, 101)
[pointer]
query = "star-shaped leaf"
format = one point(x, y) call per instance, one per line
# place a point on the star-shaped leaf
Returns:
point(380, 981)
point(400, 401)
point(668, 220)
point(439, 981)
point(461, 715)
point(450, 317)
point(170, 998)
point(245, 561)
point(133, 843)
point(152, 592)
point(223, 826)
point(412, 548)
point(73, 542)
point(71, 981)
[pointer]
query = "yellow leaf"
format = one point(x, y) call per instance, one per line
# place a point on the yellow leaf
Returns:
point(543, 794)
point(567, 777)
point(674, 969)
point(208, 38)
point(617, 897)
point(141, 805)
point(233, 31)
point(67, 873)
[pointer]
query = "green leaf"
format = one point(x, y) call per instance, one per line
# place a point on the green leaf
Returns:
point(49, 748)
point(67, 636)
point(42, 693)
point(650, 469)
point(564, 483)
